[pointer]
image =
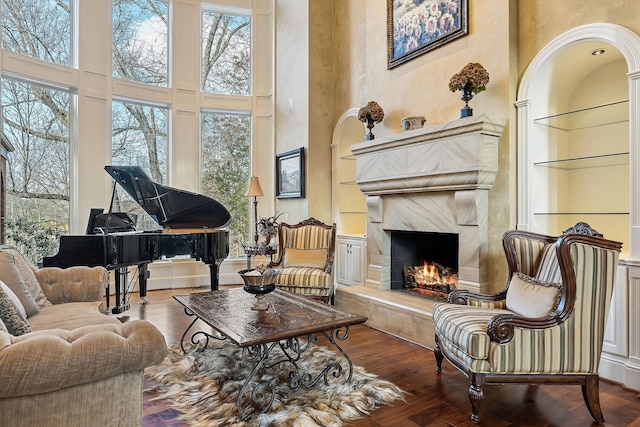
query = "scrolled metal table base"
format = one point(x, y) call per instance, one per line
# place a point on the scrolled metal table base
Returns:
point(199, 339)
point(260, 396)
point(263, 395)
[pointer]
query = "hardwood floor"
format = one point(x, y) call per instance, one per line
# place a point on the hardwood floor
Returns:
point(432, 399)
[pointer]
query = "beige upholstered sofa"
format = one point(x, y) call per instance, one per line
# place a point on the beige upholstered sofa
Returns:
point(69, 364)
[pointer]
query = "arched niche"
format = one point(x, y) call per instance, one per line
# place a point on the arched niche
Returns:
point(349, 204)
point(551, 87)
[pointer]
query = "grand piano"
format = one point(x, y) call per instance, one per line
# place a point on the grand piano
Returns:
point(191, 224)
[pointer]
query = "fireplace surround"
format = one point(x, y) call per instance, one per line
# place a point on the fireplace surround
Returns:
point(431, 180)
point(436, 179)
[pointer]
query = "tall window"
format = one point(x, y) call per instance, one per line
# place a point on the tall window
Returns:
point(41, 99)
point(226, 53)
point(36, 123)
point(226, 136)
point(38, 28)
point(140, 41)
point(139, 138)
point(226, 141)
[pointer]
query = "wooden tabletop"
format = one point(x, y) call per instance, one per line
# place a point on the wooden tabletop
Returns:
point(289, 315)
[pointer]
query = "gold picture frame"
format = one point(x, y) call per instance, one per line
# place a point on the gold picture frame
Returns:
point(414, 28)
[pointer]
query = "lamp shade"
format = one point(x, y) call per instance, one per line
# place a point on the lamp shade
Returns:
point(254, 188)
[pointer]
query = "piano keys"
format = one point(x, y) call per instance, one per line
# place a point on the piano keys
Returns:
point(173, 210)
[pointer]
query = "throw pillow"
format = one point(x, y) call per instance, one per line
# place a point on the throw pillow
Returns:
point(529, 297)
point(15, 300)
point(10, 275)
point(28, 275)
point(3, 327)
point(315, 258)
point(10, 316)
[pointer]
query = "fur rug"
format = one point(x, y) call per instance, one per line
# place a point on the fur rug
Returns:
point(204, 387)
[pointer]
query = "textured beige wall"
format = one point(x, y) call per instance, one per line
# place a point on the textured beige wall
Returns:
point(291, 107)
point(540, 21)
point(340, 62)
point(321, 114)
point(304, 100)
point(420, 87)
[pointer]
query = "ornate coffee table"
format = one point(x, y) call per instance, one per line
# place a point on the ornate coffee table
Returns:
point(291, 322)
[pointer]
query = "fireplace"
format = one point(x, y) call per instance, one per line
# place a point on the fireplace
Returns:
point(429, 183)
point(433, 180)
point(424, 264)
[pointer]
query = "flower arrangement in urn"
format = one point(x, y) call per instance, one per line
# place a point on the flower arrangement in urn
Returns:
point(472, 79)
point(370, 114)
point(268, 228)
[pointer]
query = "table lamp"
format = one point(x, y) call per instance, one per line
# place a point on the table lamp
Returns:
point(254, 191)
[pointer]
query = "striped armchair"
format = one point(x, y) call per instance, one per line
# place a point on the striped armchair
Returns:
point(546, 326)
point(305, 258)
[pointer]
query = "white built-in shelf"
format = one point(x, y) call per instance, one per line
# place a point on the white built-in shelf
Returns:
point(580, 213)
point(615, 112)
point(614, 159)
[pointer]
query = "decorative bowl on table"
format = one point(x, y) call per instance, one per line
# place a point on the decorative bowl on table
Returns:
point(259, 283)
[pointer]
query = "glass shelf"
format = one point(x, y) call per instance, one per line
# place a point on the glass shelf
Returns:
point(615, 112)
point(349, 182)
point(348, 157)
point(614, 159)
point(353, 212)
point(579, 213)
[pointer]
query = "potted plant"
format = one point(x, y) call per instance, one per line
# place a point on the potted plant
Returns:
point(472, 79)
point(370, 114)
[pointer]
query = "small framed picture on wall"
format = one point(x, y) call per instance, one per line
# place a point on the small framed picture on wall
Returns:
point(290, 174)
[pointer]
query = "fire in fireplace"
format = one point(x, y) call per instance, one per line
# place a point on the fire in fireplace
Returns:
point(424, 263)
point(430, 280)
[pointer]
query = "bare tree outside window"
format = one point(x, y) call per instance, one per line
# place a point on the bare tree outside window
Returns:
point(139, 138)
point(225, 169)
point(139, 131)
point(140, 41)
point(226, 136)
point(38, 28)
point(226, 53)
point(36, 123)
point(36, 118)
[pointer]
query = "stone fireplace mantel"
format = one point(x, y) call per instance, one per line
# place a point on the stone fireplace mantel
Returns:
point(437, 180)
point(457, 155)
point(434, 179)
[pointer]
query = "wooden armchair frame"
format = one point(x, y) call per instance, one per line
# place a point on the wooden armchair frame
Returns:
point(501, 327)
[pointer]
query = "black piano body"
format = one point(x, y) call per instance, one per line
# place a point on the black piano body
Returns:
point(119, 250)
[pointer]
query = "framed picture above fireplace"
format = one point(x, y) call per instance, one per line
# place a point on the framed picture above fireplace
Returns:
point(416, 27)
point(290, 174)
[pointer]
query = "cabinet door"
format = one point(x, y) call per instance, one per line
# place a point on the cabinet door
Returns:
point(342, 262)
point(357, 251)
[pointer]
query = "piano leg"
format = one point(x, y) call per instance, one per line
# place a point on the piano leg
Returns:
point(121, 287)
point(143, 275)
point(213, 274)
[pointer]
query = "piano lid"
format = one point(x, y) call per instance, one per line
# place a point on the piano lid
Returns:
point(170, 207)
